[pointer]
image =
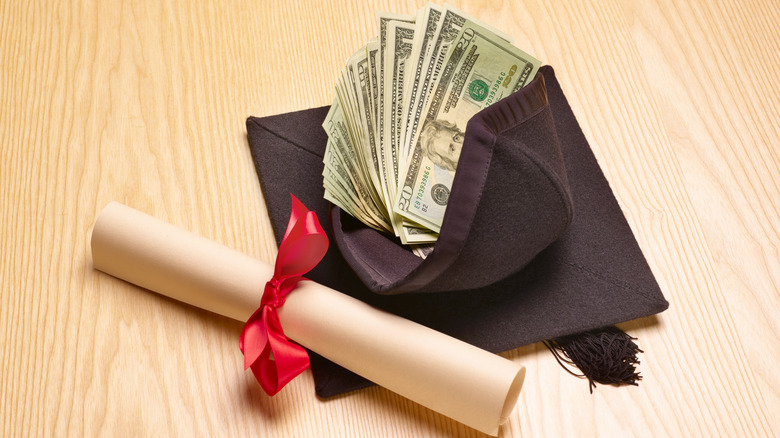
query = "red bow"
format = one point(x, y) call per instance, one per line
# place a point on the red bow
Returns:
point(275, 359)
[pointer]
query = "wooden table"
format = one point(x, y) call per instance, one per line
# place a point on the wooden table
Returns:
point(144, 102)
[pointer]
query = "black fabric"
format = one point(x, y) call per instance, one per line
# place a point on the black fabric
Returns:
point(593, 275)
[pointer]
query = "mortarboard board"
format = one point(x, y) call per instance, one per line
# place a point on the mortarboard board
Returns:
point(533, 245)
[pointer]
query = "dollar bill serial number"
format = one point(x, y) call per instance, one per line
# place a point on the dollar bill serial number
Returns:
point(418, 204)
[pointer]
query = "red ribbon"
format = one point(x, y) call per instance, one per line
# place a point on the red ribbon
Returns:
point(274, 358)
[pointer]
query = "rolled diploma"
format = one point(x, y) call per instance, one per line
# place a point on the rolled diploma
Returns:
point(459, 380)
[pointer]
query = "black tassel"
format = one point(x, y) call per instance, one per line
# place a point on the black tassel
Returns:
point(607, 356)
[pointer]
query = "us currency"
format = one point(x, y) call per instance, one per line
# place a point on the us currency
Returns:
point(426, 24)
point(347, 115)
point(349, 100)
point(373, 65)
point(385, 19)
point(414, 233)
point(479, 69)
point(335, 193)
point(382, 94)
point(397, 52)
point(339, 188)
point(372, 54)
point(340, 146)
point(422, 251)
point(358, 64)
point(354, 95)
point(400, 37)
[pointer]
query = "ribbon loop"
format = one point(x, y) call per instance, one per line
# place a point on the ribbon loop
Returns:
point(274, 358)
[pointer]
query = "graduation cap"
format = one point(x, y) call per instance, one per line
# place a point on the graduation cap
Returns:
point(533, 246)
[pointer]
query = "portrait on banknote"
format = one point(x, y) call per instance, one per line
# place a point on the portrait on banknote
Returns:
point(441, 141)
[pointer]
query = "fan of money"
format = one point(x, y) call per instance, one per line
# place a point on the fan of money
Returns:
point(397, 123)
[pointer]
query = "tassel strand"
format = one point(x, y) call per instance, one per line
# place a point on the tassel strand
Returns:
point(606, 356)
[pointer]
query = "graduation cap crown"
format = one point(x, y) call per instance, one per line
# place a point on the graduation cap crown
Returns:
point(510, 199)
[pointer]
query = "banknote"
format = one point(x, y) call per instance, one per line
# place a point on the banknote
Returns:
point(400, 40)
point(479, 69)
point(400, 36)
point(338, 184)
point(358, 64)
point(422, 251)
point(353, 117)
point(372, 54)
point(415, 233)
point(427, 22)
point(385, 20)
point(339, 141)
point(352, 89)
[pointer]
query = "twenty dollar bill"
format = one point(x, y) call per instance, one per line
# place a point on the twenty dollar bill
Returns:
point(480, 69)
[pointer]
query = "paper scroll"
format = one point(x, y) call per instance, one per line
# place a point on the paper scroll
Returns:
point(456, 379)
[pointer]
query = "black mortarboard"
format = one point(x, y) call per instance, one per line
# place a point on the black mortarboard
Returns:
point(533, 245)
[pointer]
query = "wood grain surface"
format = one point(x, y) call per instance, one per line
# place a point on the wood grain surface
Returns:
point(144, 102)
